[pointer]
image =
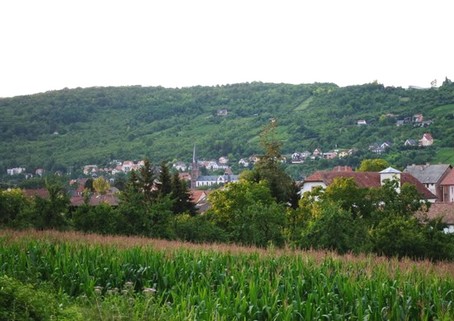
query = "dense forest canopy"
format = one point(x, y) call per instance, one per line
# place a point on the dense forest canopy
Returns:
point(72, 127)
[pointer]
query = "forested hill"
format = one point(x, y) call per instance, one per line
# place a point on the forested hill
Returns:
point(72, 127)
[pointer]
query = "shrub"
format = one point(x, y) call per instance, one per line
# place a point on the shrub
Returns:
point(20, 301)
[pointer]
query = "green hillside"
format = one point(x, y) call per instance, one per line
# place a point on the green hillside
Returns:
point(73, 127)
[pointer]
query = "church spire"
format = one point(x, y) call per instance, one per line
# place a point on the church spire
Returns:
point(194, 170)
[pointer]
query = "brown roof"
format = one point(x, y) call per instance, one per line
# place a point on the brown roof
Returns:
point(449, 179)
point(95, 199)
point(198, 195)
point(40, 192)
point(443, 210)
point(367, 180)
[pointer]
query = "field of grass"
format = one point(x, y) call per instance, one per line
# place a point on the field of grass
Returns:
point(119, 278)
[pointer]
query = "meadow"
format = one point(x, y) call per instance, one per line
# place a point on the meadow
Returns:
point(49, 275)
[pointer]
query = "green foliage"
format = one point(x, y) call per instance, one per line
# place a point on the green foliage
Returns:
point(165, 181)
point(182, 202)
point(105, 281)
point(95, 125)
point(269, 168)
point(51, 212)
point(335, 229)
point(101, 219)
point(15, 209)
point(23, 302)
point(399, 236)
point(248, 213)
point(101, 185)
point(347, 218)
point(373, 165)
point(198, 229)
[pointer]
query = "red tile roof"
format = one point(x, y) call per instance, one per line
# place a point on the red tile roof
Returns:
point(40, 192)
point(367, 180)
point(109, 199)
point(443, 210)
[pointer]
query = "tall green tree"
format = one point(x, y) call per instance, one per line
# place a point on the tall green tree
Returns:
point(51, 212)
point(182, 202)
point(269, 167)
point(164, 181)
point(248, 213)
point(142, 210)
point(15, 209)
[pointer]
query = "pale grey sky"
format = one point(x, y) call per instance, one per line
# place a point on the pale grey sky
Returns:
point(53, 44)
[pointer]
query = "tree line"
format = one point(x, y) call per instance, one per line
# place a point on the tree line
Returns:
point(263, 209)
point(59, 129)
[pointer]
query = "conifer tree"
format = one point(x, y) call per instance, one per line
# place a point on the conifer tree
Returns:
point(181, 196)
point(164, 181)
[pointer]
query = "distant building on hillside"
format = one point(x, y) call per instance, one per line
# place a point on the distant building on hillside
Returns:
point(15, 171)
point(426, 140)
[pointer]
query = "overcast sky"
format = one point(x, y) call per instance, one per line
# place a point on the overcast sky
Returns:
point(53, 44)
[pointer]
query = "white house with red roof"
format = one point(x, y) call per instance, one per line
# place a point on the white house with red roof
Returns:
point(365, 180)
point(426, 140)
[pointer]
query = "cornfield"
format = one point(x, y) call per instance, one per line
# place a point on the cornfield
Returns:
point(176, 281)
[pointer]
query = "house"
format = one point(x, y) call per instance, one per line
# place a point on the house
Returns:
point(243, 162)
point(110, 198)
point(418, 118)
point(400, 122)
point(305, 154)
point(214, 180)
point(365, 180)
point(39, 172)
point(90, 169)
point(200, 199)
point(297, 158)
point(254, 159)
point(223, 160)
point(15, 171)
point(329, 155)
point(316, 153)
point(361, 122)
point(127, 166)
point(431, 176)
point(426, 123)
point(343, 154)
point(426, 140)
point(180, 166)
point(447, 187)
point(222, 112)
point(185, 176)
point(444, 211)
point(377, 148)
point(214, 165)
point(411, 143)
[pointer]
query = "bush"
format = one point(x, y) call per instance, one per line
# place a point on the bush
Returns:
point(399, 236)
point(198, 229)
point(19, 302)
point(334, 228)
